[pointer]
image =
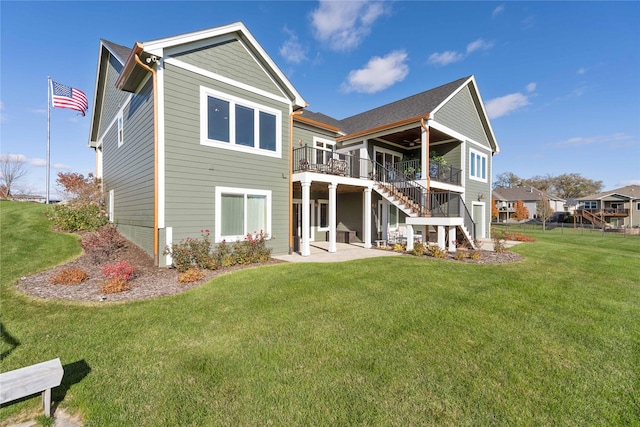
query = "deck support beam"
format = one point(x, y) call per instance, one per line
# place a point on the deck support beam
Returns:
point(305, 250)
point(332, 216)
point(366, 218)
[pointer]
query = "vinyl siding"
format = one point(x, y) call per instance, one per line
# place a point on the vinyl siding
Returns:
point(461, 115)
point(128, 170)
point(193, 171)
point(113, 98)
point(232, 60)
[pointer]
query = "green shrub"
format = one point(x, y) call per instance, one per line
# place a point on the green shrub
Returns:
point(77, 217)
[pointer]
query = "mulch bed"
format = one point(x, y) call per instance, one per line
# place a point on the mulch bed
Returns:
point(149, 281)
point(154, 282)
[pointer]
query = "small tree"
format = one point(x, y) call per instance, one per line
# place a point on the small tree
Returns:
point(495, 213)
point(544, 211)
point(85, 209)
point(520, 211)
point(80, 189)
point(13, 167)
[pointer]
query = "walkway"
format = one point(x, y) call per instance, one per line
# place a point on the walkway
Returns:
point(344, 252)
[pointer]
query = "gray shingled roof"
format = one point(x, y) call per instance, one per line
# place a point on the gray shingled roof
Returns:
point(120, 51)
point(416, 105)
point(412, 106)
point(521, 193)
point(631, 191)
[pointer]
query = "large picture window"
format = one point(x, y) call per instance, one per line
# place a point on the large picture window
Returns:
point(240, 212)
point(238, 124)
point(477, 166)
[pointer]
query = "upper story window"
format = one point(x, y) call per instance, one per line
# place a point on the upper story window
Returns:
point(237, 124)
point(324, 149)
point(477, 166)
point(591, 204)
point(120, 129)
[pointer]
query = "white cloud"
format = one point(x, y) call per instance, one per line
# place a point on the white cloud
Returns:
point(344, 25)
point(628, 182)
point(497, 11)
point(531, 87)
point(451, 56)
point(445, 58)
point(3, 117)
point(479, 45)
point(21, 158)
point(38, 162)
point(61, 166)
point(618, 139)
point(378, 74)
point(581, 71)
point(292, 51)
point(504, 105)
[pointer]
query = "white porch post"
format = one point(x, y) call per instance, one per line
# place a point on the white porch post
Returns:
point(452, 238)
point(409, 237)
point(304, 245)
point(442, 237)
point(366, 214)
point(332, 217)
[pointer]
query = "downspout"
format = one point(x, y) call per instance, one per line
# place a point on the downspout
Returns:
point(290, 232)
point(156, 255)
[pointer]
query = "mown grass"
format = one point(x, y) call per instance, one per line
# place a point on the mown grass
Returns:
point(552, 340)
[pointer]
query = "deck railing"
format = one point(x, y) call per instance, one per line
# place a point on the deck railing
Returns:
point(437, 171)
point(312, 159)
point(393, 176)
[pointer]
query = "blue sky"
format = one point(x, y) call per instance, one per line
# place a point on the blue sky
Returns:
point(560, 80)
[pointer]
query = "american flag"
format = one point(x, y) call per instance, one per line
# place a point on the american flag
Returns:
point(69, 97)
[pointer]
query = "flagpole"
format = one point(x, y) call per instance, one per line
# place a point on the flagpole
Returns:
point(48, 131)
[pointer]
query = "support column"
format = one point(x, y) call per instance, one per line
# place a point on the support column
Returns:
point(442, 237)
point(452, 238)
point(306, 222)
point(409, 237)
point(332, 217)
point(366, 223)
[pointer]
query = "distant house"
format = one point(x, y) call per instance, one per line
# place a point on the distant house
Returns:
point(506, 198)
point(614, 208)
point(203, 131)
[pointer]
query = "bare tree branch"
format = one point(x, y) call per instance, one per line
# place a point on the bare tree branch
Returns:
point(13, 167)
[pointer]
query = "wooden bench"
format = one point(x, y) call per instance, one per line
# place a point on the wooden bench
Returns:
point(38, 378)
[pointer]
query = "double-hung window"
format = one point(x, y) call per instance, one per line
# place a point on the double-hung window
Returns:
point(241, 211)
point(238, 124)
point(477, 166)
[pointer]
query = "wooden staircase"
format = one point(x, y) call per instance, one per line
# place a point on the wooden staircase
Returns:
point(594, 219)
point(414, 210)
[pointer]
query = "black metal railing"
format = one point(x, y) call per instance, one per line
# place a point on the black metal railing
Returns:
point(395, 177)
point(412, 169)
point(312, 159)
point(398, 184)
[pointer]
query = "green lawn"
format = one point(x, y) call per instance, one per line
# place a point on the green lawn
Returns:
point(552, 340)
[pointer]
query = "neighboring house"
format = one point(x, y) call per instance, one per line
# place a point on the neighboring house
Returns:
point(202, 131)
point(615, 208)
point(506, 198)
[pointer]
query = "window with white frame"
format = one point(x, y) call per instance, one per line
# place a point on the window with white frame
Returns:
point(241, 211)
point(238, 124)
point(323, 215)
point(324, 150)
point(638, 206)
point(591, 204)
point(477, 165)
point(120, 129)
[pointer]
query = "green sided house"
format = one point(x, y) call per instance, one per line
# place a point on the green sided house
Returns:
point(203, 132)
